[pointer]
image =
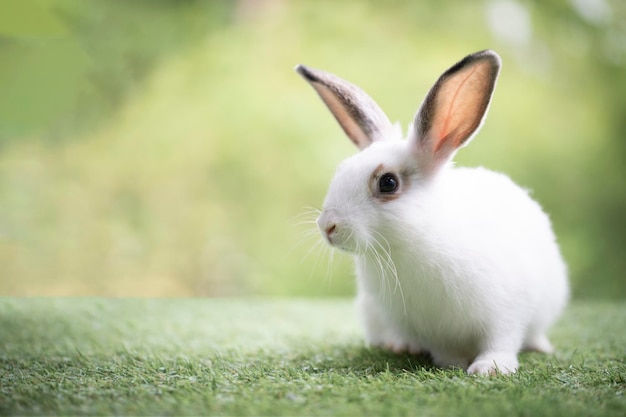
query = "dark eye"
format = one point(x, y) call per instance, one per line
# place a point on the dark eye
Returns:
point(388, 183)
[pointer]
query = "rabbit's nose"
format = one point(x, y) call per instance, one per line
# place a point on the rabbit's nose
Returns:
point(327, 224)
point(330, 229)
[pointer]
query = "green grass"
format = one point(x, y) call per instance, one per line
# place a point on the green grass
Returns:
point(279, 357)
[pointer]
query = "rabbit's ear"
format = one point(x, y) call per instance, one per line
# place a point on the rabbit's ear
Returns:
point(454, 108)
point(359, 116)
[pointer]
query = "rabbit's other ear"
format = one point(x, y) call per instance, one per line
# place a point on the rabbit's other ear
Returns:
point(454, 108)
point(358, 115)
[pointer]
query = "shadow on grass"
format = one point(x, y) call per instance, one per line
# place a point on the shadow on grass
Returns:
point(363, 360)
point(349, 360)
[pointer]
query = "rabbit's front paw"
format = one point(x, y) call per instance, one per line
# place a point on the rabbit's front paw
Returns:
point(494, 364)
point(399, 347)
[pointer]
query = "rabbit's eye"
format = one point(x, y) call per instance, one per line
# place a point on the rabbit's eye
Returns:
point(388, 183)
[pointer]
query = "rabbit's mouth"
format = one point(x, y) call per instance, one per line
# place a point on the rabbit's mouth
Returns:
point(338, 233)
point(338, 237)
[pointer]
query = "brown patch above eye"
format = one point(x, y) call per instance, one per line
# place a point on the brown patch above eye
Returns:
point(378, 171)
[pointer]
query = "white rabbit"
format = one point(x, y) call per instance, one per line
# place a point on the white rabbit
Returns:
point(459, 263)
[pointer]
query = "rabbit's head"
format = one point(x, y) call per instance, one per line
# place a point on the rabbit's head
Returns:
point(378, 187)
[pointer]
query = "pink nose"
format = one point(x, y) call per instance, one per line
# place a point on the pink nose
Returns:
point(330, 230)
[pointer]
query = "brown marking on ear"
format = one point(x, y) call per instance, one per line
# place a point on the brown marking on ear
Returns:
point(357, 114)
point(353, 122)
point(455, 107)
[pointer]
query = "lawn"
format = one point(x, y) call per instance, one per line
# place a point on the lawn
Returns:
point(90, 356)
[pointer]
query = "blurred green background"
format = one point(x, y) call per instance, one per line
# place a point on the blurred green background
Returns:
point(167, 148)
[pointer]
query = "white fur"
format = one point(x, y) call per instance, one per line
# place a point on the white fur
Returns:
point(465, 266)
point(457, 262)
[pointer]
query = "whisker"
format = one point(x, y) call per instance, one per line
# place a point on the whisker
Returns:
point(388, 261)
point(322, 250)
point(307, 211)
point(318, 245)
point(305, 236)
point(306, 229)
point(375, 257)
point(305, 222)
point(329, 263)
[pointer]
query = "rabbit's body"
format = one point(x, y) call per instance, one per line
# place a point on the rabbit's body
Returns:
point(457, 262)
point(445, 300)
